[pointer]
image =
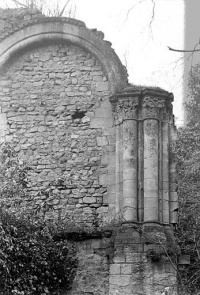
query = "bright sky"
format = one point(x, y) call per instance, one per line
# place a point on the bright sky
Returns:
point(140, 33)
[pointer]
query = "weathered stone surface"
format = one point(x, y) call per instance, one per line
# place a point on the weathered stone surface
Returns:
point(51, 125)
point(92, 160)
point(115, 269)
point(120, 280)
point(93, 272)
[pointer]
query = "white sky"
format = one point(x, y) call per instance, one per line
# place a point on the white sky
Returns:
point(143, 49)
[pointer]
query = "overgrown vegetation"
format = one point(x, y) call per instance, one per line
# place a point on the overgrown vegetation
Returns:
point(188, 171)
point(46, 7)
point(32, 259)
point(31, 262)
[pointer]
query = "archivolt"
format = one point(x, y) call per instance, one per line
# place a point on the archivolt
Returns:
point(70, 31)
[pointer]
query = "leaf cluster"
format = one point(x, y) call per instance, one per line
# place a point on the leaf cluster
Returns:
point(187, 151)
point(13, 181)
point(31, 262)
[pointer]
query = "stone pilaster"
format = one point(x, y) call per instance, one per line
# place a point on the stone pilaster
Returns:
point(173, 197)
point(144, 124)
point(147, 198)
point(152, 110)
point(130, 203)
point(165, 174)
point(125, 109)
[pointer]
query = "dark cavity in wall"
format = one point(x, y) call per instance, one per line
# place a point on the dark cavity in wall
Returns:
point(78, 115)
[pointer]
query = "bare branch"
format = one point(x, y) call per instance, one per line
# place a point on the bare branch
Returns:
point(192, 51)
point(152, 17)
point(132, 7)
point(182, 50)
point(6, 4)
point(192, 54)
point(64, 7)
point(16, 2)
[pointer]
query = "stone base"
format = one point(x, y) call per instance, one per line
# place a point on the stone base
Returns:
point(133, 261)
point(141, 265)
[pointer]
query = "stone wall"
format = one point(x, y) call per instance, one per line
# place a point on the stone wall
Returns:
point(13, 19)
point(98, 150)
point(49, 100)
point(140, 264)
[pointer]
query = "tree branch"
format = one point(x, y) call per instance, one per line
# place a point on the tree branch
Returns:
point(19, 3)
point(132, 7)
point(181, 50)
point(64, 7)
point(152, 17)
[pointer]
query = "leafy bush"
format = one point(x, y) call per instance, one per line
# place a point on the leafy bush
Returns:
point(188, 171)
point(31, 262)
point(13, 179)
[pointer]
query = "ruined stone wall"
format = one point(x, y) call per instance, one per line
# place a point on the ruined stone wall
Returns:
point(49, 96)
point(97, 147)
point(13, 19)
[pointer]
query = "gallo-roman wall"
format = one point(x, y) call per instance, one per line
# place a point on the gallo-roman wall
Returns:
point(98, 149)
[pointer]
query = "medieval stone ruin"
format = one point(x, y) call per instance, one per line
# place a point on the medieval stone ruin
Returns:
point(67, 107)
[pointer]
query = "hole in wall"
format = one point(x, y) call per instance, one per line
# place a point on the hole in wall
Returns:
point(78, 115)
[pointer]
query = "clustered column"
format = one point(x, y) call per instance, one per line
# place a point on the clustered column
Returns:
point(152, 109)
point(143, 121)
point(126, 157)
point(130, 159)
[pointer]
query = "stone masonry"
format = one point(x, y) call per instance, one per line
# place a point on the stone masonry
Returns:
point(98, 150)
point(49, 97)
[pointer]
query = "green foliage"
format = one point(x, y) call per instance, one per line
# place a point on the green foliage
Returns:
point(193, 107)
point(188, 231)
point(188, 170)
point(13, 180)
point(32, 260)
point(154, 255)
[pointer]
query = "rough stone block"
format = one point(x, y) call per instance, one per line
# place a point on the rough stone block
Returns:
point(102, 210)
point(101, 122)
point(101, 141)
point(114, 269)
point(103, 179)
point(105, 199)
point(101, 86)
point(126, 269)
point(119, 256)
point(3, 122)
point(89, 200)
point(111, 198)
point(96, 244)
point(96, 123)
point(131, 257)
point(120, 280)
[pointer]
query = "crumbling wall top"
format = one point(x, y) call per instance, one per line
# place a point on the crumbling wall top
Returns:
point(20, 28)
point(12, 20)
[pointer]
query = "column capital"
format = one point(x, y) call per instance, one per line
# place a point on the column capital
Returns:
point(125, 106)
point(156, 104)
point(153, 107)
point(134, 103)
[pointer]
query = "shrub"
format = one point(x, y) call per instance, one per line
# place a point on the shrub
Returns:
point(188, 171)
point(31, 262)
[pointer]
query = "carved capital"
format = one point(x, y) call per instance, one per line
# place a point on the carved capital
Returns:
point(126, 109)
point(153, 107)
